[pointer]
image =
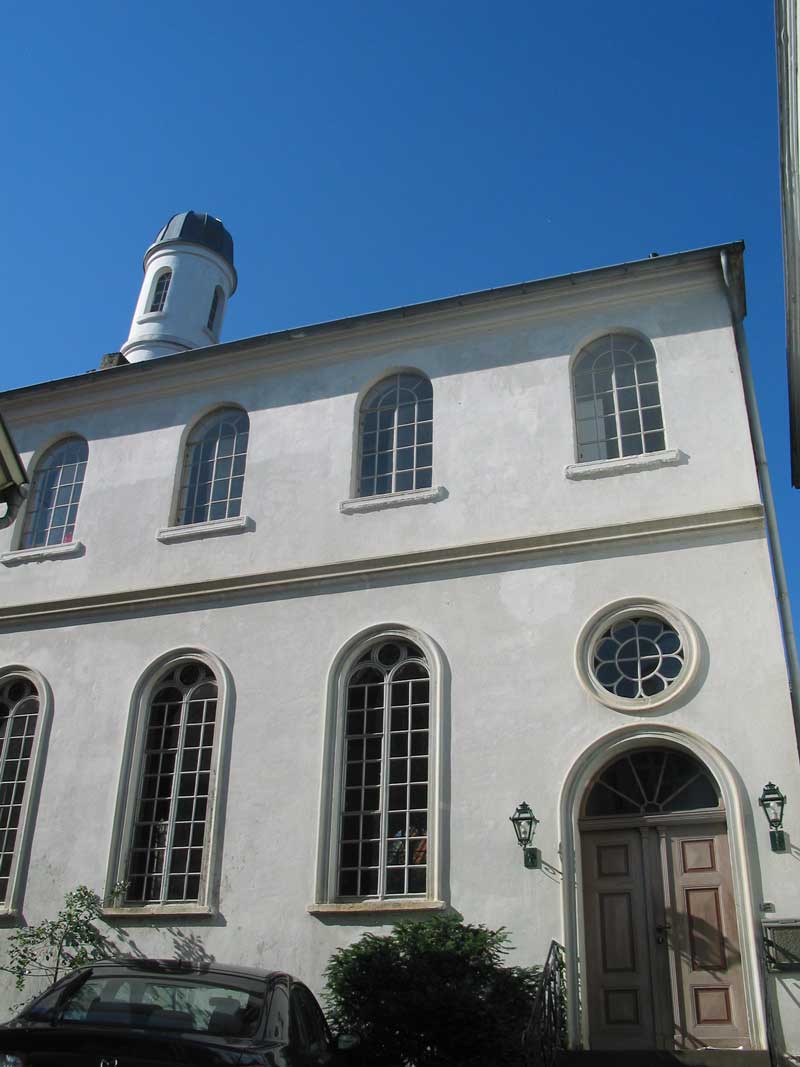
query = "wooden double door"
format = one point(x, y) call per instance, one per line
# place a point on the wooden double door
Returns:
point(663, 966)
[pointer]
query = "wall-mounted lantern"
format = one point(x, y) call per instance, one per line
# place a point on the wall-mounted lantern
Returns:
point(773, 801)
point(525, 822)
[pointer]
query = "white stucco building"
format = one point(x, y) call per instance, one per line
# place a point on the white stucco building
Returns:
point(291, 625)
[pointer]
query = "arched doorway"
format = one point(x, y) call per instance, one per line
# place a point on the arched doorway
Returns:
point(663, 966)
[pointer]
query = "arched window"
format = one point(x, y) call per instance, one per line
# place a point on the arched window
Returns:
point(170, 827)
point(655, 781)
point(160, 291)
point(213, 311)
point(385, 774)
point(617, 402)
point(213, 468)
point(55, 494)
point(396, 436)
point(20, 731)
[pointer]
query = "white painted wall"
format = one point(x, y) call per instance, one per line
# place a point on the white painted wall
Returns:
point(517, 718)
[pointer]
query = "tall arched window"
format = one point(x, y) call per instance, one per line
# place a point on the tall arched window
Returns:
point(385, 774)
point(213, 311)
point(55, 494)
point(170, 826)
point(396, 436)
point(212, 481)
point(20, 733)
point(617, 402)
point(160, 291)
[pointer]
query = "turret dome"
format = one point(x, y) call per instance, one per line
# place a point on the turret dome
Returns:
point(198, 228)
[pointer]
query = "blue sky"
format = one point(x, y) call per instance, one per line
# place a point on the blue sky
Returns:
point(367, 155)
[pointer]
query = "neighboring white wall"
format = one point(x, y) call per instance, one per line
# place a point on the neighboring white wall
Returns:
point(182, 324)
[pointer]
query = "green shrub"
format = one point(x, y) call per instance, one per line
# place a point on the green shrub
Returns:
point(431, 994)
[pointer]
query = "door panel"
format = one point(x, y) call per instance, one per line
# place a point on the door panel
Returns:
point(617, 951)
point(704, 942)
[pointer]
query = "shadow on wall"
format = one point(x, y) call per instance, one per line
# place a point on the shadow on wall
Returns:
point(185, 946)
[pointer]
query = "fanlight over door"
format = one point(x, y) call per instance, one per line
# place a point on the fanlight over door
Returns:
point(662, 946)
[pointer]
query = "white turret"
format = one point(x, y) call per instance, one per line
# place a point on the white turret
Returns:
point(188, 279)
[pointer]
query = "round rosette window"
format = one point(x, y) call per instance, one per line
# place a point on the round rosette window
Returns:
point(637, 657)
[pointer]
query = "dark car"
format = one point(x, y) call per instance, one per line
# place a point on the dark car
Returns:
point(149, 1013)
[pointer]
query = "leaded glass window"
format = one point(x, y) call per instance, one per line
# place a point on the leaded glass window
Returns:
point(638, 657)
point(19, 710)
point(171, 822)
point(55, 494)
point(652, 782)
point(213, 470)
point(617, 400)
point(396, 436)
point(383, 833)
point(160, 291)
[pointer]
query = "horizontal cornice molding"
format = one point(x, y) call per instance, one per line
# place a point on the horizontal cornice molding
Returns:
point(442, 321)
point(382, 567)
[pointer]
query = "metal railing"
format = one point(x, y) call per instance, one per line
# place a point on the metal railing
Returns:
point(545, 1034)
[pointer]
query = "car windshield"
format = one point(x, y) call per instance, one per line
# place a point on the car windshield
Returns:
point(205, 1004)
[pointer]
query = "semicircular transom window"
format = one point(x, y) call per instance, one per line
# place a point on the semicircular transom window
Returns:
point(652, 782)
point(638, 657)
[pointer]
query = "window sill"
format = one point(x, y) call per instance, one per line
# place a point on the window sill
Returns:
point(166, 911)
point(392, 500)
point(372, 906)
point(607, 468)
point(43, 552)
point(194, 531)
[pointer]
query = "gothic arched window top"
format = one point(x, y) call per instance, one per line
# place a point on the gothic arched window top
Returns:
point(170, 827)
point(385, 803)
point(160, 291)
point(617, 400)
point(656, 782)
point(214, 310)
point(212, 479)
point(396, 436)
point(55, 494)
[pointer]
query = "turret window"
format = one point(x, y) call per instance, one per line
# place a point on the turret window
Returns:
point(55, 494)
point(160, 291)
point(216, 302)
point(213, 470)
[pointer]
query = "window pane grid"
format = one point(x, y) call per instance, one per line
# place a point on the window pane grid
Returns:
point(161, 290)
point(166, 857)
point(213, 470)
point(383, 842)
point(55, 494)
point(617, 400)
point(19, 708)
point(396, 436)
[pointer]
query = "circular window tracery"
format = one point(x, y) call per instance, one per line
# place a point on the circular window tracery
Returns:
point(637, 655)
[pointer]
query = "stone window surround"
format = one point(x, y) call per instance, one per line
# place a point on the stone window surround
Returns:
point(596, 626)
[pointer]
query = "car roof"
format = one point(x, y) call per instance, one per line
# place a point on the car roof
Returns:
point(129, 964)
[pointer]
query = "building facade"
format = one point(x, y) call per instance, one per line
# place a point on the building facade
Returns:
point(291, 625)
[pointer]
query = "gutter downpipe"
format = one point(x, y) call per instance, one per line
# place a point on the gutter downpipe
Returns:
point(732, 274)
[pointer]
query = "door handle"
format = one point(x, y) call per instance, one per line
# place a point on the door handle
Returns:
point(661, 930)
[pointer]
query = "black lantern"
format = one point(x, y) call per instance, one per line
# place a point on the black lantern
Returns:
point(525, 822)
point(773, 801)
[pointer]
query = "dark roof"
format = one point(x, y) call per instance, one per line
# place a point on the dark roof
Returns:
point(197, 228)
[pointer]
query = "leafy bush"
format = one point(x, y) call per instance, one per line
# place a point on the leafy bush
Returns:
point(56, 946)
point(431, 994)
